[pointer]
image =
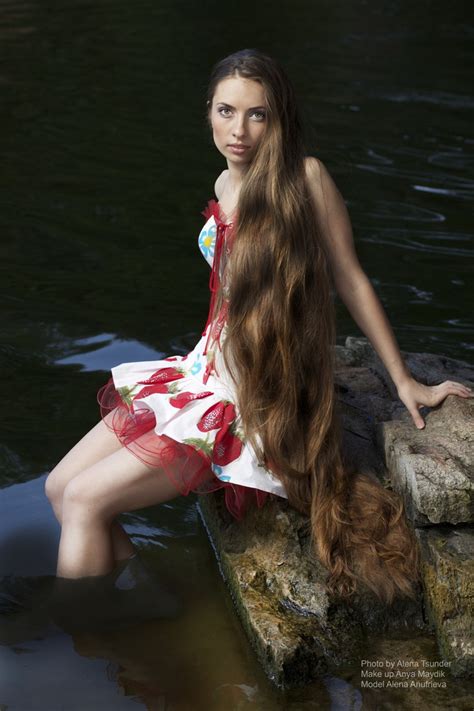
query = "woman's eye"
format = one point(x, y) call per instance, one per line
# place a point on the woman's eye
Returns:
point(225, 112)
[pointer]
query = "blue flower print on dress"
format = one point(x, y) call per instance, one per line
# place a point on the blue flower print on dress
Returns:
point(207, 241)
point(196, 367)
point(218, 472)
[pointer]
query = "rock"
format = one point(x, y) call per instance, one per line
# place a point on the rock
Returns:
point(363, 403)
point(277, 586)
point(356, 352)
point(430, 685)
point(430, 369)
point(448, 575)
point(433, 468)
point(277, 583)
point(277, 591)
point(427, 368)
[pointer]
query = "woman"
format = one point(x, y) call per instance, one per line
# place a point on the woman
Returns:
point(252, 408)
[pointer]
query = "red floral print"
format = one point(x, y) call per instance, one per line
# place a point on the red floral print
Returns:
point(227, 446)
point(213, 418)
point(151, 390)
point(183, 398)
point(163, 375)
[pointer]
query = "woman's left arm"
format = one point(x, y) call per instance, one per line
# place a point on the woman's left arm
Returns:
point(358, 294)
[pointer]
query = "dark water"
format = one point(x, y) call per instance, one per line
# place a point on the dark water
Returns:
point(106, 164)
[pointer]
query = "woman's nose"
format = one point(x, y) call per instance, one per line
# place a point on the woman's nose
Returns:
point(239, 127)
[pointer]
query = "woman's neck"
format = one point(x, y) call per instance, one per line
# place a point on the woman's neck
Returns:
point(235, 176)
point(231, 189)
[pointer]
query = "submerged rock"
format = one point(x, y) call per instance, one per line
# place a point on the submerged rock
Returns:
point(277, 583)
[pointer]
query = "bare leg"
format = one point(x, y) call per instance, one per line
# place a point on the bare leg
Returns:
point(119, 482)
point(96, 444)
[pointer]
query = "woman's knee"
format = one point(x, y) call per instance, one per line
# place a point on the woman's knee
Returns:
point(79, 501)
point(96, 444)
point(53, 488)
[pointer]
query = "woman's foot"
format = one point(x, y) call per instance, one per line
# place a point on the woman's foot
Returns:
point(128, 594)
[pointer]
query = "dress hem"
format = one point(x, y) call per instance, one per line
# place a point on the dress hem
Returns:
point(189, 469)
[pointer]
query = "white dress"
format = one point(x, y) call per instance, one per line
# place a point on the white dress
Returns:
point(190, 400)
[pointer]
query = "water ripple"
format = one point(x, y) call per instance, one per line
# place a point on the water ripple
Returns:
point(422, 241)
point(456, 187)
point(442, 98)
point(392, 209)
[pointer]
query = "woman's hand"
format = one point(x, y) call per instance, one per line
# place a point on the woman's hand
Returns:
point(415, 395)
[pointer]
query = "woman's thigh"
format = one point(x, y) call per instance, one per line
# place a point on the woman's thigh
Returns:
point(96, 444)
point(121, 482)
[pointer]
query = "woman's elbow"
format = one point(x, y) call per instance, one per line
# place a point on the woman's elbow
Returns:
point(349, 282)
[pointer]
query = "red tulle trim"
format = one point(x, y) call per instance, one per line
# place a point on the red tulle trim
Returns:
point(212, 208)
point(189, 469)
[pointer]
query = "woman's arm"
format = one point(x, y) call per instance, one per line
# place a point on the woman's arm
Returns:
point(352, 284)
point(359, 296)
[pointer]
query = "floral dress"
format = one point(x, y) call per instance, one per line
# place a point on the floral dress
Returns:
point(179, 414)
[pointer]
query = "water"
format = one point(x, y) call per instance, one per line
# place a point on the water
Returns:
point(106, 165)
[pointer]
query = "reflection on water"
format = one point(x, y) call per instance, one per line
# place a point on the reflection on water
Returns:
point(107, 166)
point(107, 349)
point(59, 687)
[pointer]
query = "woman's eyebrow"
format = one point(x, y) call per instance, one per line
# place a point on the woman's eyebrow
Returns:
point(252, 108)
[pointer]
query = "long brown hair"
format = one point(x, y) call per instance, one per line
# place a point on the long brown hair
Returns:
point(279, 350)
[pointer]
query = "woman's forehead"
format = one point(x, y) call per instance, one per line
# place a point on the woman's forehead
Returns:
point(238, 91)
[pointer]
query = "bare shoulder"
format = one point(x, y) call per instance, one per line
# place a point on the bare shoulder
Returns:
point(312, 166)
point(316, 173)
point(333, 220)
point(314, 177)
point(321, 184)
point(219, 184)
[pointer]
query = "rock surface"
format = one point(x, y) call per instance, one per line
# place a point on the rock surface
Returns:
point(448, 572)
point(275, 580)
point(433, 468)
point(277, 586)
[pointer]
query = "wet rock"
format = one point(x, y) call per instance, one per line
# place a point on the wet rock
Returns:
point(277, 590)
point(277, 583)
point(429, 684)
point(448, 574)
point(277, 586)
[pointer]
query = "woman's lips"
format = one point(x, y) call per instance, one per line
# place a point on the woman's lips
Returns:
point(237, 148)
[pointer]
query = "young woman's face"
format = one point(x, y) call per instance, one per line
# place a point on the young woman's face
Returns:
point(238, 117)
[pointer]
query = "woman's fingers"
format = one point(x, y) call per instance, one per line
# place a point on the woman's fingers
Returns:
point(450, 387)
point(417, 418)
point(430, 396)
point(457, 388)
